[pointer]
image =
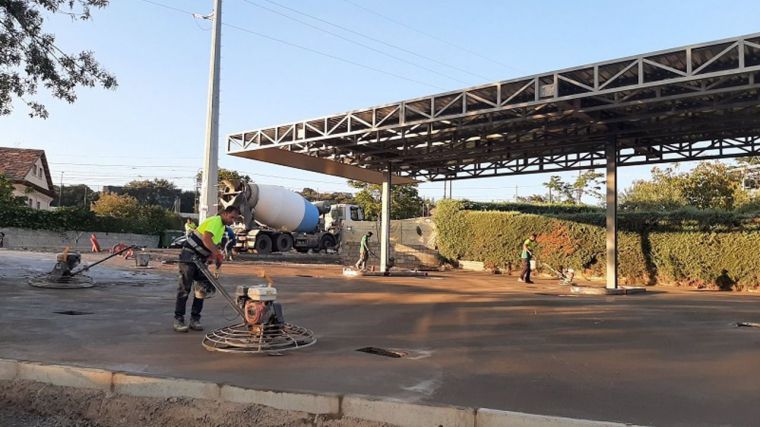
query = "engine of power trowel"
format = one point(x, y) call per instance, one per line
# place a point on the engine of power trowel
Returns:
point(65, 263)
point(260, 306)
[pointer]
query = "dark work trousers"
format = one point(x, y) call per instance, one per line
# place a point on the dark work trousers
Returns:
point(188, 273)
point(525, 274)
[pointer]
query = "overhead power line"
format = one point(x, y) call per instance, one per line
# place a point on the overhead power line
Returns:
point(366, 46)
point(305, 48)
point(377, 40)
point(432, 36)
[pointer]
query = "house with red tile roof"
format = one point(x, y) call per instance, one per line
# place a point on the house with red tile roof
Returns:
point(29, 173)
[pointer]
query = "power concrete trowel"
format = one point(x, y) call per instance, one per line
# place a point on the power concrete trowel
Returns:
point(65, 275)
point(263, 330)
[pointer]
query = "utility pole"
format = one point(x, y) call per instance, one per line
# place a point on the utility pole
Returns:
point(60, 196)
point(209, 190)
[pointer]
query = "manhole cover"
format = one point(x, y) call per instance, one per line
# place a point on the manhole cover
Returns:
point(382, 352)
point(72, 312)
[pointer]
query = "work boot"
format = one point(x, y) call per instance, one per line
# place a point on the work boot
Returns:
point(195, 324)
point(179, 325)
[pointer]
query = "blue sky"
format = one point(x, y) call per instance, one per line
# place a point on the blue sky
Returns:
point(153, 124)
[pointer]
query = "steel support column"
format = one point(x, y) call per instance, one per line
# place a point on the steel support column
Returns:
point(612, 247)
point(385, 222)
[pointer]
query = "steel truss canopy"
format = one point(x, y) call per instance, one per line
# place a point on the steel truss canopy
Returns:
point(689, 103)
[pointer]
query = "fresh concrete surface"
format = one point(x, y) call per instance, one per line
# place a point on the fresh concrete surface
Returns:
point(481, 341)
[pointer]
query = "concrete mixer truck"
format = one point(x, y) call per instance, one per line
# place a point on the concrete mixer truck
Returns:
point(276, 219)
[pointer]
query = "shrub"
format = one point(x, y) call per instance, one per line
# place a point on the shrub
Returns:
point(680, 247)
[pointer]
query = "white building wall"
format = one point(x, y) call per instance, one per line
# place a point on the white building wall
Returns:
point(35, 199)
point(37, 175)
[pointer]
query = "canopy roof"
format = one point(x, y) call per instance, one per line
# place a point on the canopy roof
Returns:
point(688, 103)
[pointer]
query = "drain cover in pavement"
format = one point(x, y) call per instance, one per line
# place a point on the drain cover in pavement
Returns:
point(382, 352)
point(72, 312)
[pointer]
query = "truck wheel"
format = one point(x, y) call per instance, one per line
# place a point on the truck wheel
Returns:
point(327, 242)
point(284, 242)
point(263, 244)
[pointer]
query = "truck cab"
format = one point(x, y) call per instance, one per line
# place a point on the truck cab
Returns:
point(342, 215)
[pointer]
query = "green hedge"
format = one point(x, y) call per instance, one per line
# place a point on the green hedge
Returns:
point(153, 220)
point(684, 247)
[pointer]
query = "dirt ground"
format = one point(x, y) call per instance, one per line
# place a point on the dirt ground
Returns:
point(30, 404)
point(672, 357)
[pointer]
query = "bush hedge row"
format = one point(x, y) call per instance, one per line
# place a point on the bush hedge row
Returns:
point(153, 220)
point(682, 247)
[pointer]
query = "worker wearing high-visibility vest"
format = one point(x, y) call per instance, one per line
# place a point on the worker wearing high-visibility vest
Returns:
point(203, 245)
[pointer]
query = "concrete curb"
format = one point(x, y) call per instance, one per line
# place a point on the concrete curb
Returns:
point(303, 402)
point(68, 376)
point(407, 414)
point(8, 369)
point(138, 385)
point(355, 406)
point(495, 418)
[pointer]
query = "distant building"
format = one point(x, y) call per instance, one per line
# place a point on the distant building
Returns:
point(29, 173)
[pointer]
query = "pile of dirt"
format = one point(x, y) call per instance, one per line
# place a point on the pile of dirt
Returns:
point(26, 403)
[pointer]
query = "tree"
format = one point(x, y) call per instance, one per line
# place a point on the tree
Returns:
point(559, 190)
point(29, 57)
point(712, 186)
point(187, 201)
point(663, 192)
point(405, 200)
point(159, 192)
point(336, 197)
point(79, 195)
point(7, 198)
point(118, 206)
point(754, 160)
point(588, 182)
point(225, 174)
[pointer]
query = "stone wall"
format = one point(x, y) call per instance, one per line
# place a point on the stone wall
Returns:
point(22, 238)
point(412, 243)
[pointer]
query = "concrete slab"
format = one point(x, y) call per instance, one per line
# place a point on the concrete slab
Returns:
point(406, 414)
point(67, 376)
point(596, 290)
point(485, 340)
point(304, 402)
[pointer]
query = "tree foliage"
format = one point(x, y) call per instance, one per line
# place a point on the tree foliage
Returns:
point(79, 195)
point(7, 198)
point(405, 200)
point(117, 206)
point(226, 175)
point(335, 197)
point(710, 185)
point(158, 191)
point(30, 59)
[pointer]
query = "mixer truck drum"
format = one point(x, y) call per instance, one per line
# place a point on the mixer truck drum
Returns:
point(247, 339)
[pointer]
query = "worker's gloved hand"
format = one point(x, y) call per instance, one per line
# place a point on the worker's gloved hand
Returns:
point(218, 259)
